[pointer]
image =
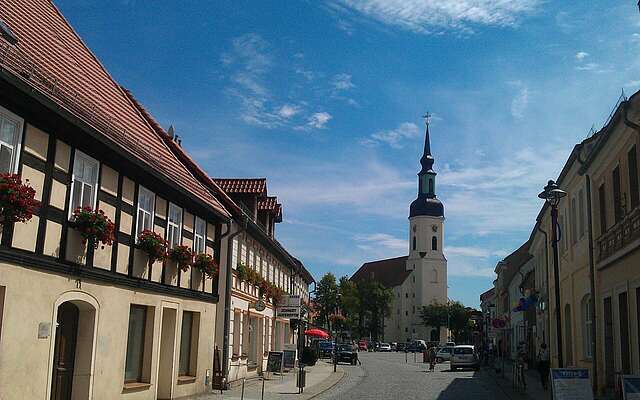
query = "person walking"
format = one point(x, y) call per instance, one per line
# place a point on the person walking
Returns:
point(543, 365)
point(432, 358)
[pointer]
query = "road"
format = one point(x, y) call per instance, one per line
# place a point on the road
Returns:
point(387, 376)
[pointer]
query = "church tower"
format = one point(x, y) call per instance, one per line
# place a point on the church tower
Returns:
point(426, 260)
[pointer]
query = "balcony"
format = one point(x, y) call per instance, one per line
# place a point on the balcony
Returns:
point(619, 236)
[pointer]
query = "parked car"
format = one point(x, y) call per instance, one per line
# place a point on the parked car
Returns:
point(394, 346)
point(325, 349)
point(384, 347)
point(401, 346)
point(347, 353)
point(450, 344)
point(444, 354)
point(465, 356)
point(362, 345)
point(417, 346)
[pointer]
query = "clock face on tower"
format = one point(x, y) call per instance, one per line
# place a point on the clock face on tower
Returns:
point(434, 228)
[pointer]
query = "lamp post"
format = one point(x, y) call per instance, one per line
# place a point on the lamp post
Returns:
point(552, 195)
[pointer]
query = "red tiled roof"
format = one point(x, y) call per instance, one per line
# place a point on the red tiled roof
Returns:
point(50, 57)
point(390, 272)
point(243, 185)
point(269, 203)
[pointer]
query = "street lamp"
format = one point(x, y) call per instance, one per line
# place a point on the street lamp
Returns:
point(552, 195)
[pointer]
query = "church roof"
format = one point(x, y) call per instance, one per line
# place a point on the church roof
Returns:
point(390, 272)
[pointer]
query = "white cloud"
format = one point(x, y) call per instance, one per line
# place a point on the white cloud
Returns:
point(633, 83)
point(635, 37)
point(394, 137)
point(288, 110)
point(428, 16)
point(342, 82)
point(581, 55)
point(396, 246)
point(520, 102)
point(319, 120)
point(588, 67)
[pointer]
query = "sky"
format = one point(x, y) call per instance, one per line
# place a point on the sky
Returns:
point(324, 98)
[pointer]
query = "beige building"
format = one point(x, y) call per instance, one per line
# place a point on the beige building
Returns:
point(243, 330)
point(78, 322)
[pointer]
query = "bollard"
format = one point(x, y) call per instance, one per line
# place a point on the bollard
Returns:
point(414, 356)
point(242, 393)
point(405, 357)
point(262, 397)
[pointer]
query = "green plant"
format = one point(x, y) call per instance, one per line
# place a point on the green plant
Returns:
point(207, 265)
point(94, 226)
point(152, 244)
point(242, 272)
point(17, 200)
point(182, 255)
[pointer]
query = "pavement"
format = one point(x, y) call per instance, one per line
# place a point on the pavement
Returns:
point(319, 378)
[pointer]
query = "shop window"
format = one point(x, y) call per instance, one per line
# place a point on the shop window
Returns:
point(84, 182)
point(10, 139)
point(174, 225)
point(146, 205)
point(189, 344)
point(139, 344)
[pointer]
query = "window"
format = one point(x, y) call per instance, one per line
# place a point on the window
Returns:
point(188, 344)
point(431, 188)
point(617, 196)
point(414, 243)
point(237, 321)
point(603, 209)
point(574, 221)
point(135, 343)
point(84, 182)
point(146, 206)
point(199, 235)
point(562, 234)
point(587, 322)
point(174, 225)
point(234, 253)
point(623, 316)
point(10, 139)
point(406, 295)
point(632, 162)
point(434, 243)
point(581, 214)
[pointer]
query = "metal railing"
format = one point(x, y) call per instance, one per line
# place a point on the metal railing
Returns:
point(619, 235)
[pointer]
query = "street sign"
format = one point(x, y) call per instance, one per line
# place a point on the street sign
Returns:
point(571, 384)
point(631, 387)
point(289, 307)
point(288, 312)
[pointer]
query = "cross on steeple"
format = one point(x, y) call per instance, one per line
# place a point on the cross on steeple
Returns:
point(427, 118)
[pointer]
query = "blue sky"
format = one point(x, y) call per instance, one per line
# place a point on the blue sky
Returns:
point(324, 99)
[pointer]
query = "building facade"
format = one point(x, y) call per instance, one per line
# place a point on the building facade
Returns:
point(251, 332)
point(85, 322)
point(420, 278)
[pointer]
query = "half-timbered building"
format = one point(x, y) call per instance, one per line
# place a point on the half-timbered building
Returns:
point(78, 322)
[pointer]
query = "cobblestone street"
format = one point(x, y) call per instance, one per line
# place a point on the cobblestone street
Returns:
point(387, 376)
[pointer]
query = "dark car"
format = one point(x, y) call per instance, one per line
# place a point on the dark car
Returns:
point(325, 348)
point(416, 347)
point(401, 346)
point(347, 353)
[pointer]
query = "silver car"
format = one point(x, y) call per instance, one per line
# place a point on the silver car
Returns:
point(444, 354)
point(465, 356)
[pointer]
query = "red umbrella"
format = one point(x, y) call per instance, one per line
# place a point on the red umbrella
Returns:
point(315, 332)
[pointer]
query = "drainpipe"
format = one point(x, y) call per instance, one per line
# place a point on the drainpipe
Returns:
point(222, 236)
point(227, 297)
point(592, 275)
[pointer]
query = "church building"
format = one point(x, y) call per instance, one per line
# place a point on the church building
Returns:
point(420, 278)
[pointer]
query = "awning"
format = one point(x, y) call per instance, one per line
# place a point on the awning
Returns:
point(315, 332)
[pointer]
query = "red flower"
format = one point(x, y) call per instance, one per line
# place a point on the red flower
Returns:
point(182, 255)
point(94, 226)
point(207, 265)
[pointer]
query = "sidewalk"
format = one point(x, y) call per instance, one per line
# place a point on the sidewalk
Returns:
point(532, 377)
point(320, 378)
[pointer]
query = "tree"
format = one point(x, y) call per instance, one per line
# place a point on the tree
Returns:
point(375, 301)
point(435, 315)
point(326, 298)
point(350, 304)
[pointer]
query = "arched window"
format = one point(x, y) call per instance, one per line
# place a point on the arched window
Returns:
point(434, 243)
point(587, 321)
point(414, 243)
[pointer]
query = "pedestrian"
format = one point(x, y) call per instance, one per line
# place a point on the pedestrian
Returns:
point(432, 358)
point(543, 365)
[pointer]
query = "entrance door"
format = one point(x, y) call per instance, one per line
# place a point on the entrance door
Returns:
point(64, 352)
point(167, 353)
point(608, 342)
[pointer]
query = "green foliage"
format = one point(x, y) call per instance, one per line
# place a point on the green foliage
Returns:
point(327, 298)
point(453, 314)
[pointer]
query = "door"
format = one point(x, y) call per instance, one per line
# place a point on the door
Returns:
point(64, 352)
point(608, 342)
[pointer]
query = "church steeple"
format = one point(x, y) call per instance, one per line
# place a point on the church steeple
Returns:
point(426, 203)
